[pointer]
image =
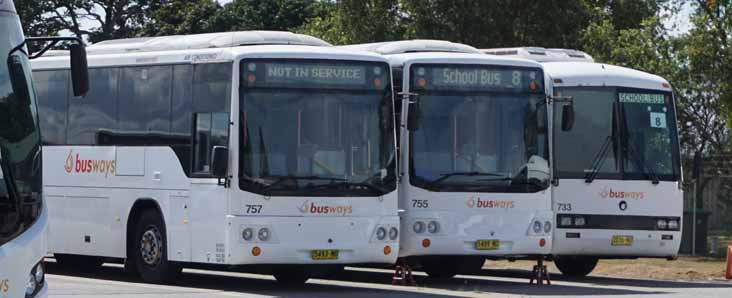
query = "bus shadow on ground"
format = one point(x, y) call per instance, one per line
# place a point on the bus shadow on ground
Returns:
point(610, 281)
point(480, 284)
point(225, 282)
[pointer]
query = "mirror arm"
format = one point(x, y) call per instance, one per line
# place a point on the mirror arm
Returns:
point(53, 42)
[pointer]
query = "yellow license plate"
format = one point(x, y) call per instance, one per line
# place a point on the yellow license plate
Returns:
point(324, 254)
point(491, 244)
point(619, 240)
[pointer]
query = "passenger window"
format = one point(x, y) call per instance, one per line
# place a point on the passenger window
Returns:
point(212, 129)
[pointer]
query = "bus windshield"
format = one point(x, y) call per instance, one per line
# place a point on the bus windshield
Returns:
point(20, 178)
point(640, 135)
point(331, 134)
point(480, 138)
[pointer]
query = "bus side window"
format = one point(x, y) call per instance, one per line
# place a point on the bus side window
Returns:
point(211, 129)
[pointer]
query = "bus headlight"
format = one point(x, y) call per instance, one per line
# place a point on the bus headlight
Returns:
point(565, 221)
point(247, 234)
point(393, 233)
point(381, 233)
point(263, 234)
point(433, 227)
point(537, 227)
point(36, 280)
point(547, 227)
point(418, 227)
point(673, 224)
point(662, 224)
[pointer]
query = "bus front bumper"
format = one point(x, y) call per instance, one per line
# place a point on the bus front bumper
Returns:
point(627, 243)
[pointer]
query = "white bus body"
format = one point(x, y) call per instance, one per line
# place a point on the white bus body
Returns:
point(632, 205)
point(23, 216)
point(453, 227)
point(311, 160)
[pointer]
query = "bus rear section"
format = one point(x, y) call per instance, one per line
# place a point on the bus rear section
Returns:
point(474, 156)
point(278, 155)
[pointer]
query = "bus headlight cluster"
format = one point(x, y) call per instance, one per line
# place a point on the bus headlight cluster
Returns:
point(36, 280)
point(431, 226)
point(567, 221)
point(261, 234)
point(667, 224)
point(386, 233)
point(541, 226)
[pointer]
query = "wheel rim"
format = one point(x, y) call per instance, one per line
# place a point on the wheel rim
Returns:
point(151, 246)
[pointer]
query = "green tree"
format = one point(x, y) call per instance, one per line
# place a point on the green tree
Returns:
point(356, 21)
point(268, 14)
point(174, 17)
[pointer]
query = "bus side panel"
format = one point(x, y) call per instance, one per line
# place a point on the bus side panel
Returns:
point(208, 221)
point(91, 192)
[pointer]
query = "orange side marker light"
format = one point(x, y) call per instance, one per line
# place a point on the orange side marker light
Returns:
point(256, 251)
point(426, 243)
point(542, 242)
point(387, 250)
point(728, 275)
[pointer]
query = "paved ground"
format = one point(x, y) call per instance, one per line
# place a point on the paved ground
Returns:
point(110, 281)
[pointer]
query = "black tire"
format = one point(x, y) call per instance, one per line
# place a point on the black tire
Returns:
point(148, 252)
point(575, 266)
point(292, 276)
point(78, 262)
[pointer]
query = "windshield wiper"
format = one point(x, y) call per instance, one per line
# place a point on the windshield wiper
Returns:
point(282, 179)
point(648, 171)
point(599, 160)
point(349, 184)
point(444, 177)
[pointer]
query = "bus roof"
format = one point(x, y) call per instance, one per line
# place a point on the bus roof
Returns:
point(541, 54)
point(210, 55)
point(458, 58)
point(412, 46)
point(203, 41)
point(569, 74)
point(7, 6)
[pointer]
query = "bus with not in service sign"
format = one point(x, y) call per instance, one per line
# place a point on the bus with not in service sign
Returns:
point(474, 156)
point(617, 191)
point(237, 148)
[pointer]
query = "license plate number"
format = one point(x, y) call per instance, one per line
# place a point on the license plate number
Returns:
point(491, 244)
point(619, 240)
point(325, 254)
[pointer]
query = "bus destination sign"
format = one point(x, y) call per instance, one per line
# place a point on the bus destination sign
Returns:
point(477, 78)
point(314, 75)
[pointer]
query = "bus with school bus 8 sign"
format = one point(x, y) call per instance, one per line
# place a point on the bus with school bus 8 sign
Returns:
point(617, 190)
point(238, 148)
point(474, 156)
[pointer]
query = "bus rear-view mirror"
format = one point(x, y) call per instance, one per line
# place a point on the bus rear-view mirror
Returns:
point(414, 116)
point(567, 117)
point(18, 79)
point(219, 161)
point(79, 70)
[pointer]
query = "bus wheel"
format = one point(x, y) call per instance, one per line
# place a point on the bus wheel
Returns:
point(149, 254)
point(295, 275)
point(575, 266)
point(440, 267)
point(78, 262)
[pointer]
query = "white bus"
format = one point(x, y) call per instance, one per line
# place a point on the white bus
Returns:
point(227, 149)
point(474, 156)
point(617, 189)
point(23, 215)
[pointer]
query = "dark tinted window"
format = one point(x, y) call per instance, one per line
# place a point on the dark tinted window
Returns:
point(212, 87)
point(52, 88)
point(95, 112)
point(211, 130)
point(144, 105)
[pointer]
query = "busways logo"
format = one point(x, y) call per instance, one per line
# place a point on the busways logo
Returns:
point(476, 202)
point(311, 208)
point(608, 192)
point(75, 164)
